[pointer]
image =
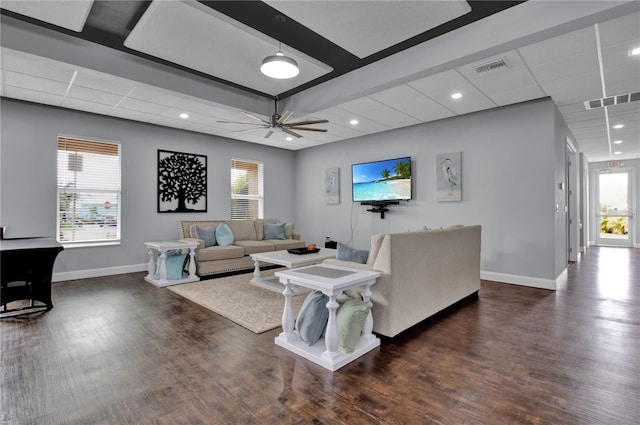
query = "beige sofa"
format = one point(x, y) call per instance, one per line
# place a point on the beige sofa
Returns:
point(422, 273)
point(248, 238)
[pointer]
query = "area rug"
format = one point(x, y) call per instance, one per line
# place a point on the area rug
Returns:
point(234, 298)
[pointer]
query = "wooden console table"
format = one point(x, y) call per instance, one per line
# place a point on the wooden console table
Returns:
point(27, 267)
point(332, 281)
point(158, 253)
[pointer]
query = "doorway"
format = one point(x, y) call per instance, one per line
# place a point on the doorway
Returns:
point(613, 219)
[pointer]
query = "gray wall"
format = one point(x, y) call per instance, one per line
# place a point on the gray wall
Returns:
point(512, 160)
point(28, 178)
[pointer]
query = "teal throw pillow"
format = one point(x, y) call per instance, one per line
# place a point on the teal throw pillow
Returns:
point(207, 234)
point(174, 263)
point(224, 236)
point(274, 231)
point(350, 317)
point(347, 253)
point(313, 317)
point(288, 230)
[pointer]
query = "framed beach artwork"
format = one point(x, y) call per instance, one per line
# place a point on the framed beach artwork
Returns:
point(182, 182)
point(449, 177)
point(332, 186)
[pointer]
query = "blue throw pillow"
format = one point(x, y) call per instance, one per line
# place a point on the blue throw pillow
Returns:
point(274, 231)
point(207, 234)
point(224, 236)
point(347, 253)
point(313, 317)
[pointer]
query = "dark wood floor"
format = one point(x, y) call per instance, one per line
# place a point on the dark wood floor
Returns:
point(117, 350)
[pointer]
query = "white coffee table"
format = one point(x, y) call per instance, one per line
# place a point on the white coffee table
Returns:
point(158, 252)
point(331, 280)
point(284, 258)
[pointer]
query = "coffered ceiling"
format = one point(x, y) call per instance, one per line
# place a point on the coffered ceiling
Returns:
point(386, 64)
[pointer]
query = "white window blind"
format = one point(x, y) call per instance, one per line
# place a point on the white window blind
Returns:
point(246, 190)
point(88, 191)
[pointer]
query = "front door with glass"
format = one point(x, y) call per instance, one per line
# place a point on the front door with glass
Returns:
point(614, 216)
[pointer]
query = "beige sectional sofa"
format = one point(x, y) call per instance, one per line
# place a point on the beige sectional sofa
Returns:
point(248, 238)
point(422, 273)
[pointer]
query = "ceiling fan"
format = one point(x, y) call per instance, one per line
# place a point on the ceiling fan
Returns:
point(278, 121)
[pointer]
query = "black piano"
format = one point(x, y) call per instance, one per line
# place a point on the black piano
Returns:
point(26, 267)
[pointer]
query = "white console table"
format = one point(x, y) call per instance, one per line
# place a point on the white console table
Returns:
point(158, 252)
point(331, 280)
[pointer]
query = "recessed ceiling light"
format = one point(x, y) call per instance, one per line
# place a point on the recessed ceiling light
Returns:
point(617, 153)
point(184, 116)
point(618, 126)
point(456, 95)
point(353, 122)
point(635, 52)
point(617, 142)
point(289, 138)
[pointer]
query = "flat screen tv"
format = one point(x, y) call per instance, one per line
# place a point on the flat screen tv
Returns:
point(381, 181)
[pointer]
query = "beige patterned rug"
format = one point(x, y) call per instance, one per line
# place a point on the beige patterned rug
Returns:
point(233, 297)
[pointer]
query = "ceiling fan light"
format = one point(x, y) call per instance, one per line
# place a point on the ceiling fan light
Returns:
point(279, 66)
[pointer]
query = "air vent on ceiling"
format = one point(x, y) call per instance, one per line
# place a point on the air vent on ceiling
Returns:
point(495, 65)
point(612, 100)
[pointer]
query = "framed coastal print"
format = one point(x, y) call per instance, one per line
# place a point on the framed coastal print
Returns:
point(182, 182)
point(449, 177)
point(332, 186)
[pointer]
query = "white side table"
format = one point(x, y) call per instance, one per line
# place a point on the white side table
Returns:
point(158, 252)
point(331, 280)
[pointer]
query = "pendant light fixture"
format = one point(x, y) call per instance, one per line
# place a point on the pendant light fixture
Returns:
point(279, 66)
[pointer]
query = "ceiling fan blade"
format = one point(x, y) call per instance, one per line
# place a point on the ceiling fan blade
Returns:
point(256, 118)
point(286, 130)
point(244, 130)
point(323, 130)
point(269, 133)
point(243, 123)
point(307, 122)
point(284, 117)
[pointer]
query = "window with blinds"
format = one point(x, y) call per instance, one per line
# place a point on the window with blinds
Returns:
point(247, 197)
point(88, 192)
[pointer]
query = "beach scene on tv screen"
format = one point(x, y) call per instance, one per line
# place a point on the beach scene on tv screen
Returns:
point(382, 180)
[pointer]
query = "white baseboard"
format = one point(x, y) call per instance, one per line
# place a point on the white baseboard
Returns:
point(534, 282)
point(106, 271)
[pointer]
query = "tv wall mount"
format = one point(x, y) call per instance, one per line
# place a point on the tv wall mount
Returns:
point(380, 206)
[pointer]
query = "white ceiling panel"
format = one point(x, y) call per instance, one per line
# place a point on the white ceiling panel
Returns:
point(155, 95)
point(142, 106)
point(131, 115)
point(103, 82)
point(620, 30)
point(36, 66)
point(25, 81)
point(69, 14)
point(169, 122)
point(559, 48)
point(573, 88)
point(439, 87)
point(196, 36)
point(175, 114)
point(94, 96)
point(366, 27)
point(567, 67)
point(86, 105)
point(32, 95)
point(413, 103)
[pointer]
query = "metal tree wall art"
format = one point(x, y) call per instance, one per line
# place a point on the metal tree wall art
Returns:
point(182, 182)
